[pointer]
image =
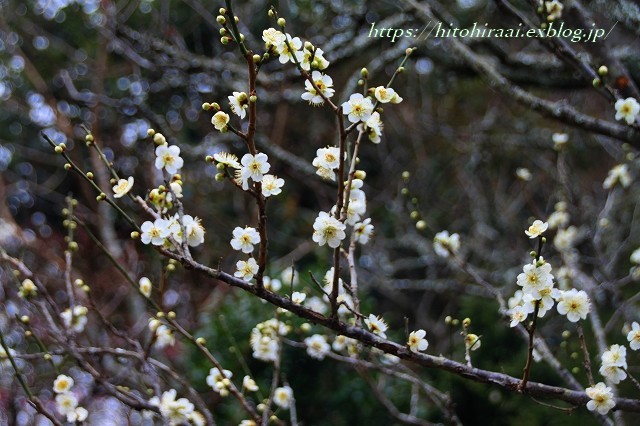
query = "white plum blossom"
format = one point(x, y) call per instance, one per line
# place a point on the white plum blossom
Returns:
point(384, 94)
point(174, 411)
point(558, 219)
point(559, 140)
point(328, 158)
point(249, 384)
point(145, 286)
point(554, 10)
point(271, 284)
point(601, 398)
point(66, 403)
point(376, 325)
point(272, 37)
point(635, 256)
point(239, 102)
point(363, 231)
point(254, 167)
point(417, 341)
point(283, 397)
point(317, 346)
point(373, 127)
point(536, 229)
point(618, 175)
point(566, 238)
point(287, 52)
point(444, 244)
point(311, 58)
point(192, 227)
point(524, 174)
point(323, 84)
point(574, 304)
point(357, 108)
point(62, 384)
point(246, 269)
point(244, 239)
point(215, 379)
point(627, 110)
point(298, 297)
point(536, 278)
point(290, 276)
point(328, 230)
point(518, 314)
point(316, 304)
point(271, 185)
point(80, 414)
point(227, 159)
point(168, 157)
point(122, 187)
point(220, 120)
point(472, 342)
point(163, 337)
point(155, 232)
point(76, 319)
point(634, 336)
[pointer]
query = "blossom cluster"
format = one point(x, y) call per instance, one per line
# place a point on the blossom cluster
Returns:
point(66, 401)
point(538, 290)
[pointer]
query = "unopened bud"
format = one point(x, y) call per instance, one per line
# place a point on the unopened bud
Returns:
point(222, 11)
point(257, 59)
point(201, 341)
point(68, 166)
point(364, 73)
point(360, 174)
point(135, 235)
point(58, 149)
point(603, 70)
point(88, 138)
point(253, 99)
point(90, 175)
point(421, 225)
point(224, 40)
point(171, 315)
point(206, 106)
point(596, 82)
point(281, 22)
point(151, 132)
point(219, 177)
point(25, 319)
point(466, 322)
point(220, 19)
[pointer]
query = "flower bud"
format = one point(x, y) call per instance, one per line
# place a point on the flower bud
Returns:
point(421, 225)
point(220, 19)
point(171, 315)
point(223, 31)
point(59, 149)
point(364, 73)
point(466, 322)
point(101, 197)
point(257, 59)
point(90, 175)
point(308, 45)
point(360, 174)
point(151, 132)
point(201, 341)
point(414, 215)
point(224, 40)
point(409, 51)
point(222, 11)
point(79, 282)
point(28, 333)
point(404, 191)
point(219, 177)
point(135, 235)
point(73, 246)
point(281, 22)
point(603, 70)
point(86, 288)
point(68, 166)
point(88, 138)
point(25, 319)
point(171, 268)
point(206, 106)
point(406, 175)
point(400, 70)
point(253, 99)
point(596, 82)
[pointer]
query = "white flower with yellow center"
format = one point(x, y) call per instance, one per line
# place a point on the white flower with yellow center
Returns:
point(283, 397)
point(417, 341)
point(239, 102)
point(601, 398)
point(536, 278)
point(627, 110)
point(518, 314)
point(155, 232)
point(536, 229)
point(163, 337)
point(220, 120)
point(324, 85)
point(168, 157)
point(219, 380)
point(634, 336)
point(226, 159)
point(376, 325)
point(574, 304)
point(328, 157)
point(383, 94)
point(271, 185)
point(472, 341)
point(554, 10)
point(66, 403)
point(145, 286)
point(373, 127)
point(445, 244)
point(253, 167)
point(328, 230)
point(298, 297)
point(244, 239)
point(246, 269)
point(249, 384)
point(357, 108)
point(272, 37)
point(363, 231)
point(76, 319)
point(62, 384)
point(317, 346)
point(285, 53)
point(122, 187)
